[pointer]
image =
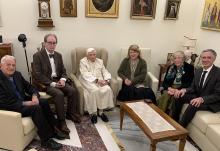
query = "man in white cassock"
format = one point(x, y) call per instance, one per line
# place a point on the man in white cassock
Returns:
point(95, 80)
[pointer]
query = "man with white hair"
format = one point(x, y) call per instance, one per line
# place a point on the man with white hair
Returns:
point(17, 95)
point(95, 80)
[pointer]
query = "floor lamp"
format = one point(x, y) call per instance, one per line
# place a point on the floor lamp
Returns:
point(22, 38)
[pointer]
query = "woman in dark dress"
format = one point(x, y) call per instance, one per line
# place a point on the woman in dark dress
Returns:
point(179, 75)
point(133, 70)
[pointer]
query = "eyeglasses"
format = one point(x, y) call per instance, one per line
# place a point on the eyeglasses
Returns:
point(51, 43)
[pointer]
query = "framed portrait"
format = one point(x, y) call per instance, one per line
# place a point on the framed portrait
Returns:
point(169, 59)
point(172, 9)
point(102, 8)
point(211, 15)
point(143, 9)
point(68, 8)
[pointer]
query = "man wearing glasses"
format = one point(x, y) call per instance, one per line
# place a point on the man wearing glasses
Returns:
point(50, 71)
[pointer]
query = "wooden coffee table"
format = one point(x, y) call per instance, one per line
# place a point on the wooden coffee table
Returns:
point(171, 131)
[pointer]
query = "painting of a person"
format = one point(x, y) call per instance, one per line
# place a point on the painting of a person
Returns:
point(142, 7)
point(68, 6)
point(179, 75)
point(207, 15)
point(103, 5)
point(133, 71)
point(172, 10)
point(213, 14)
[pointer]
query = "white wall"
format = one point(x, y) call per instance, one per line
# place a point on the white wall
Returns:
point(162, 36)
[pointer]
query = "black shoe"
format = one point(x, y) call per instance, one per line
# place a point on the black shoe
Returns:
point(51, 144)
point(94, 118)
point(58, 134)
point(103, 117)
point(75, 118)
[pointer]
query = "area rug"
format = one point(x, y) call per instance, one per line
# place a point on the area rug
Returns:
point(88, 135)
point(132, 138)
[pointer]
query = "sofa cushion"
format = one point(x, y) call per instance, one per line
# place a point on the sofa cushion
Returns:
point(213, 134)
point(27, 124)
point(203, 118)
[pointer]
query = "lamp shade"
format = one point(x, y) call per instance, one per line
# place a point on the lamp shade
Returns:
point(189, 43)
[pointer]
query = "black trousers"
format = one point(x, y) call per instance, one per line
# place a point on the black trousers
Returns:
point(129, 93)
point(190, 111)
point(58, 98)
point(42, 117)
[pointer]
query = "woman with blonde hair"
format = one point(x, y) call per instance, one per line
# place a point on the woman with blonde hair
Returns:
point(179, 75)
point(133, 71)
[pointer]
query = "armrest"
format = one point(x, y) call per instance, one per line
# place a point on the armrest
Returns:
point(153, 82)
point(114, 87)
point(119, 82)
point(80, 89)
point(10, 125)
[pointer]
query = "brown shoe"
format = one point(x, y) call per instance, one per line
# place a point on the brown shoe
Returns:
point(63, 127)
point(74, 117)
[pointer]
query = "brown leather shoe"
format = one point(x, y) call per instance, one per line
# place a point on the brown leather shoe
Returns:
point(74, 117)
point(63, 127)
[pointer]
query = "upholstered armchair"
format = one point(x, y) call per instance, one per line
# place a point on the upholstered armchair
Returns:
point(16, 132)
point(146, 55)
point(76, 55)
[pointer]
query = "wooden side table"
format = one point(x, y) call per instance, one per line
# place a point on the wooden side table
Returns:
point(5, 49)
point(163, 69)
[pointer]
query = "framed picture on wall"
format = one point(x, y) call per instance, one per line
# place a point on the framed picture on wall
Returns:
point(169, 59)
point(102, 8)
point(211, 15)
point(143, 9)
point(172, 9)
point(68, 8)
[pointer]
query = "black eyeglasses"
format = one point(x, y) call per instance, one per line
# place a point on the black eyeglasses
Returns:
point(51, 43)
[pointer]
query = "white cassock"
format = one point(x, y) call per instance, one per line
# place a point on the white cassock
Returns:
point(95, 96)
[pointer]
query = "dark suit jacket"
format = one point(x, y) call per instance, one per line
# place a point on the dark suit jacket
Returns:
point(211, 89)
point(186, 79)
point(8, 98)
point(42, 67)
point(124, 71)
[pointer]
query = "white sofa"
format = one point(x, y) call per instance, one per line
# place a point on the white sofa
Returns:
point(204, 130)
point(15, 132)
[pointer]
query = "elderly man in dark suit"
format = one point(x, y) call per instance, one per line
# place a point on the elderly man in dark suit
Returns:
point(50, 71)
point(204, 93)
point(16, 94)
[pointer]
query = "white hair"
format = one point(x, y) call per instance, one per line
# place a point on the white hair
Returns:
point(90, 50)
point(7, 57)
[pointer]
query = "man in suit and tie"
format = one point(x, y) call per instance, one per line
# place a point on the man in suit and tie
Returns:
point(204, 93)
point(50, 71)
point(16, 94)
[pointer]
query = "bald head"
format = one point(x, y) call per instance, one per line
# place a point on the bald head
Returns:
point(8, 64)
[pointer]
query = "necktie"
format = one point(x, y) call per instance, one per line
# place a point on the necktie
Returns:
point(51, 55)
point(15, 88)
point(202, 79)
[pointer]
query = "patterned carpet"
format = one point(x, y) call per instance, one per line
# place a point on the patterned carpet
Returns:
point(89, 138)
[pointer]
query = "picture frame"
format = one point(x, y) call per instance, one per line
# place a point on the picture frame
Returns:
point(143, 9)
point(102, 9)
point(68, 8)
point(169, 58)
point(172, 9)
point(211, 15)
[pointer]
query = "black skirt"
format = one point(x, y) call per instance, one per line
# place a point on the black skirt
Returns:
point(130, 93)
